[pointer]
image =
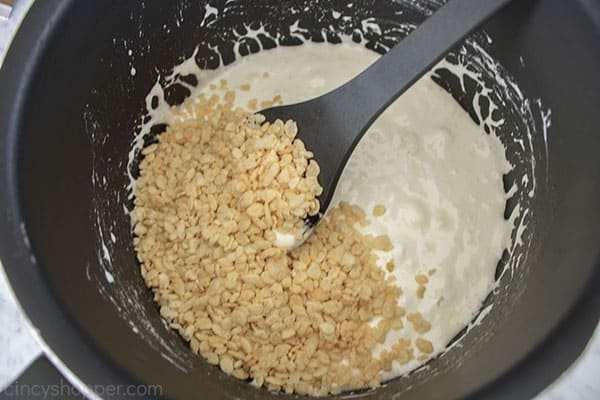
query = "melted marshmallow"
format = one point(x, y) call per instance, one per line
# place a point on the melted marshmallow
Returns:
point(437, 173)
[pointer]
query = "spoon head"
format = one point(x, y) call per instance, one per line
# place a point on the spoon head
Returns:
point(307, 117)
point(323, 134)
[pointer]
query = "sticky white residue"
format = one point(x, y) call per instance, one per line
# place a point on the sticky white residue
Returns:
point(476, 322)
point(546, 123)
point(520, 229)
point(286, 240)
point(161, 114)
point(478, 65)
point(371, 25)
point(125, 298)
point(187, 67)
point(513, 93)
point(109, 277)
point(25, 235)
point(210, 15)
point(289, 241)
point(104, 254)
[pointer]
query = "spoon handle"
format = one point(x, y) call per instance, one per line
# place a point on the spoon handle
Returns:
point(372, 91)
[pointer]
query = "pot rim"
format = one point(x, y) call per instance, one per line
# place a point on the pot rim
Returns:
point(82, 360)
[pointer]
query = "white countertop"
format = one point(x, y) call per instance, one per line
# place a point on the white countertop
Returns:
point(20, 346)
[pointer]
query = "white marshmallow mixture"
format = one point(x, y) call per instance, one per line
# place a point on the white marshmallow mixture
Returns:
point(438, 174)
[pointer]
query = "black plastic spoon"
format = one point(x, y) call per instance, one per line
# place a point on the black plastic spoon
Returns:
point(331, 125)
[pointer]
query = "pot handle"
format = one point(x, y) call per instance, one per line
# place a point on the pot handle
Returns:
point(6, 8)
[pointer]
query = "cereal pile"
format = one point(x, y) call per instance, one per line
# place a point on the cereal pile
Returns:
point(211, 195)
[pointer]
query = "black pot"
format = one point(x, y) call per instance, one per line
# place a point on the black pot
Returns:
point(68, 109)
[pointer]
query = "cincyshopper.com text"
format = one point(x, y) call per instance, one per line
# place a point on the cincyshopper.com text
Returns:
point(64, 390)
